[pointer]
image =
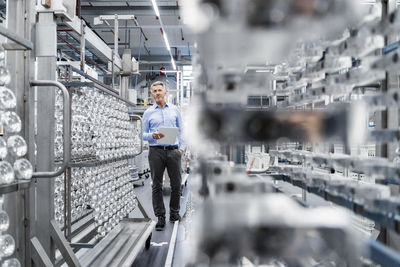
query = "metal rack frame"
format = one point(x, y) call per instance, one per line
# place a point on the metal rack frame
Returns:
point(66, 129)
point(20, 42)
point(378, 252)
point(31, 204)
point(122, 245)
point(89, 163)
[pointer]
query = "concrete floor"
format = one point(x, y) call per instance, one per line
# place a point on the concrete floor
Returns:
point(160, 241)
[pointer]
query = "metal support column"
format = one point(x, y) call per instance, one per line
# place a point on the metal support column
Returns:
point(116, 35)
point(126, 72)
point(113, 71)
point(67, 204)
point(46, 48)
point(83, 44)
point(124, 87)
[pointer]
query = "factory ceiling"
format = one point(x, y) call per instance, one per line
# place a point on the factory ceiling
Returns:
point(144, 38)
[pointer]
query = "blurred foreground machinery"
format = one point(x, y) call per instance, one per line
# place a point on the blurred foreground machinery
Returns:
point(305, 93)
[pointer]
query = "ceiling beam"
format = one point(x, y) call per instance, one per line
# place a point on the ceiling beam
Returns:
point(147, 27)
point(128, 10)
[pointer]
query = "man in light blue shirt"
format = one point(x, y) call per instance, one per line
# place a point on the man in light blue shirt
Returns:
point(159, 115)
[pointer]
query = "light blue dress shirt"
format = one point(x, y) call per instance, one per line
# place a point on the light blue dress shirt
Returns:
point(156, 117)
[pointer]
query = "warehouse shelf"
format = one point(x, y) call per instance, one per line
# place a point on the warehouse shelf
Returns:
point(93, 82)
point(92, 162)
point(385, 219)
point(96, 85)
point(386, 171)
point(376, 251)
point(122, 245)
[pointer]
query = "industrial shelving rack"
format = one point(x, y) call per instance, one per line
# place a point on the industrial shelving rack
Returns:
point(32, 66)
point(81, 231)
point(298, 164)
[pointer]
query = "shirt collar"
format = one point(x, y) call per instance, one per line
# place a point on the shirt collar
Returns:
point(157, 106)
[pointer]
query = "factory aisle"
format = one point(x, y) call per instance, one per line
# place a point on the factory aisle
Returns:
point(160, 241)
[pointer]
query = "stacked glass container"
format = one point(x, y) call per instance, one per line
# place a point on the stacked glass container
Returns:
point(100, 127)
point(13, 166)
point(12, 145)
point(103, 136)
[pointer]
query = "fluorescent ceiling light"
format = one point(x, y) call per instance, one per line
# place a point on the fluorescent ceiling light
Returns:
point(166, 41)
point(173, 63)
point(155, 8)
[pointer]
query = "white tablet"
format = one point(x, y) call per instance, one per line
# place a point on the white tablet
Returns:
point(170, 135)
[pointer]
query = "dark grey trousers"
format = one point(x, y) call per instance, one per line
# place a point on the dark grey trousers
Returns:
point(160, 159)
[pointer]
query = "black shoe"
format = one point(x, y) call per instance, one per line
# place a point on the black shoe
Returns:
point(160, 224)
point(174, 217)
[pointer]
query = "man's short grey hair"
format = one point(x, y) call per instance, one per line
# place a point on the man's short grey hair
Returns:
point(157, 83)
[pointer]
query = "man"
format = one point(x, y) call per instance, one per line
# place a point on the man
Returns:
point(159, 115)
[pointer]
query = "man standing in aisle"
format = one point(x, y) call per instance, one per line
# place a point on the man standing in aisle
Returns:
point(159, 115)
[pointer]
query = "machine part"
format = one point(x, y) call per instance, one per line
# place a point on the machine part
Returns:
point(20, 43)
point(63, 245)
point(141, 134)
point(230, 125)
point(39, 255)
point(256, 227)
point(121, 246)
point(66, 129)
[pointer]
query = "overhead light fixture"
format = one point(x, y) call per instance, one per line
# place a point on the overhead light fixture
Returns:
point(166, 41)
point(155, 8)
point(173, 63)
point(164, 34)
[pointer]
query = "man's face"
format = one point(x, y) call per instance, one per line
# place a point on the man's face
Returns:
point(158, 92)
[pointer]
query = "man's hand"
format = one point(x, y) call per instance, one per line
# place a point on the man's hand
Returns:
point(157, 135)
point(181, 151)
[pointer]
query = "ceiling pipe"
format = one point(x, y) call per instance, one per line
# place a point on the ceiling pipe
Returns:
point(146, 27)
point(140, 47)
point(147, 50)
point(145, 37)
point(140, 27)
point(78, 8)
point(177, 6)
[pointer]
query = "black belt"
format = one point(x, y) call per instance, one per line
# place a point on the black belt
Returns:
point(165, 147)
